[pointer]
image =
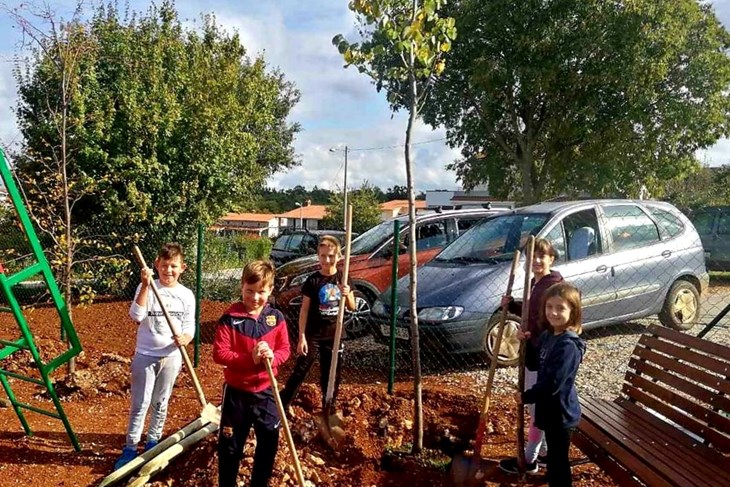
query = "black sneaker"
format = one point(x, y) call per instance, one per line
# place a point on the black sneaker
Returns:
point(509, 465)
point(542, 460)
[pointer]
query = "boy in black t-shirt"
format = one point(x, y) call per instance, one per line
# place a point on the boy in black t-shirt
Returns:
point(321, 296)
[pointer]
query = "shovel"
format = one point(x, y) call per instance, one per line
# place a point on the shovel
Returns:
point(331, 425)
point(285, 423)
point(210, 412)
point(529, 255)
point(464, 469)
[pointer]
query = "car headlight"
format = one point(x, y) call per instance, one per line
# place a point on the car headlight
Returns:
point(299, 280)
point(378, 308)
point(440, 313)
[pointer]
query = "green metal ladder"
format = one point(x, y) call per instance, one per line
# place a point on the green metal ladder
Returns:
point(26, 342)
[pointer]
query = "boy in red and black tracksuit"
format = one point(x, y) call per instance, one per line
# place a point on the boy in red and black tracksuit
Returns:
point(249, 332)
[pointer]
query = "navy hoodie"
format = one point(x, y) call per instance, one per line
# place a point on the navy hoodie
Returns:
point(554, 393)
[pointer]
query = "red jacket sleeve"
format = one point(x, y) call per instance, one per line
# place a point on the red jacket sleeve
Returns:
point(223, 349)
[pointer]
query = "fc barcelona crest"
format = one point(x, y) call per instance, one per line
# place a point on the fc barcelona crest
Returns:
point(271, 320)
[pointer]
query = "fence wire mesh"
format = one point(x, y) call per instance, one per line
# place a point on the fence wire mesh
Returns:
point(635, 264)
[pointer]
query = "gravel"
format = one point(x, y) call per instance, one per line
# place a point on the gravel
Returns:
point(601, 373)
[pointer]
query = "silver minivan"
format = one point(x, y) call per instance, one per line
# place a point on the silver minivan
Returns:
point(629, 258)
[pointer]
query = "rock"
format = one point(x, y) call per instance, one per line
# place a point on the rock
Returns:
point(407, 424)
point(315, 460)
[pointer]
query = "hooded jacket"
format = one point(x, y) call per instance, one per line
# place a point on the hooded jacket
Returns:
point(554, 393)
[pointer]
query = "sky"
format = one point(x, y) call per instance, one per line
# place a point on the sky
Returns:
point(339, 107)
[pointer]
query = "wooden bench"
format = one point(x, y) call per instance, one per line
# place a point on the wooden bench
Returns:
point(671, 427)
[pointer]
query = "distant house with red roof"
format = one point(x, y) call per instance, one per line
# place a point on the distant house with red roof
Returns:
point(262, 224)
point(393, 208)
point(307, 216)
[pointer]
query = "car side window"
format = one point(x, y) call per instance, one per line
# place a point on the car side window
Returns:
point(295, 242)
point(310, 243)
point(282, 242)
point(583, 235)
point(670, 223)
point(464, 224)
point(703, 221)
point(556, 237)
point(431, 234)
point(723, 226)
point(630, 227)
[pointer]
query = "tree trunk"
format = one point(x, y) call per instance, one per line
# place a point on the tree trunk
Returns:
point(415, 339)
point(69, 251)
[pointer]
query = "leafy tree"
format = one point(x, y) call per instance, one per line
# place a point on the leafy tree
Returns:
point(570, 96)
point(708, 186)
point(402, 50)
point(365, 209)
point(170, 127)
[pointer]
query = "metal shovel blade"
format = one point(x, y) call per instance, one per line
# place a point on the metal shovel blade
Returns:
point(331, 429)
point(211, 413)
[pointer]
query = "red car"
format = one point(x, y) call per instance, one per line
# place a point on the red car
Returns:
point(371, 262)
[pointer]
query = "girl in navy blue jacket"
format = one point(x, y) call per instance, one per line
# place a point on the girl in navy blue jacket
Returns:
point(557, 411)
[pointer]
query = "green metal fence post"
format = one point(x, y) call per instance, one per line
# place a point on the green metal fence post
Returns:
point(198, 293)
point(394, 302)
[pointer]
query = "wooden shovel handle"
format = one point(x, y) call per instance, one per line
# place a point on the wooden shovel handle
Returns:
point(175, 333)
point(340, 314)
point(284, 423)
point(479, 438)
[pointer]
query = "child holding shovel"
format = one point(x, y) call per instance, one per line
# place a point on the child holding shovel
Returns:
point(321, 292)
point(250, 333)
point(544, 277)
point(157, 360)
point(557, 410)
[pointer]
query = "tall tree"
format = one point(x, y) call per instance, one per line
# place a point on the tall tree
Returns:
point(402, 50)
point(365, 208)
point(569, 96)
point(172, 125)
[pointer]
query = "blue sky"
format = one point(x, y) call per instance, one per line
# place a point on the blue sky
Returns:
point(338, 106)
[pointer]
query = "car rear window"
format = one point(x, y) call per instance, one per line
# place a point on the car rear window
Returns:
point(669, 222)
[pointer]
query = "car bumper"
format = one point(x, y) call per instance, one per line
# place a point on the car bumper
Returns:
point(459, 336)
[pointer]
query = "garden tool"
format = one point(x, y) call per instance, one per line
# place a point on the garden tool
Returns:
point(210, 412)
point(331, 425)
point(529, 256)
point(285, 423)
point(464, 469)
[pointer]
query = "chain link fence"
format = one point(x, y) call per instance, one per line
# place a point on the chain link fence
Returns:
point(635, 264)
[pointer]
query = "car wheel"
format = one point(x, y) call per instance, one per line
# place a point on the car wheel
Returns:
point(681, 307)
point(357, 322)
point(509, 350)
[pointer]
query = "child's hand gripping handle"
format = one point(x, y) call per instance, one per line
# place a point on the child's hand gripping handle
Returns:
point(183, 351)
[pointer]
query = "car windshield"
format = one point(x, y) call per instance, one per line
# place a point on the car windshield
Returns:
point(280, 243)
point(373, 238)
point(494, 238)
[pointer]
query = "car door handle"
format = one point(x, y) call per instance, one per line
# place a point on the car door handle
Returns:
point(666, 253)
point(601, 268)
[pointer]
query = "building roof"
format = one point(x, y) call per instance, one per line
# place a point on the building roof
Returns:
point(311, 212)
point(393, 204)
point(248, 217)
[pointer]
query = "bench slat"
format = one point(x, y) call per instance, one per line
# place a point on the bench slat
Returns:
point(618, 427)
point(622, 457)
point(713, 460)
point(712, 398)
point(681, 455)
point(585, 440)
point(635, 387)
point(703, 361)
point(693, 342)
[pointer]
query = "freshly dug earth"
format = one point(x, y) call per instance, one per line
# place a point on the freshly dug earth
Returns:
point(379, 426)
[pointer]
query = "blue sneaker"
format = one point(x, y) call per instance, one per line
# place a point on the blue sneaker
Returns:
point(150, 444)
point(129, 453)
